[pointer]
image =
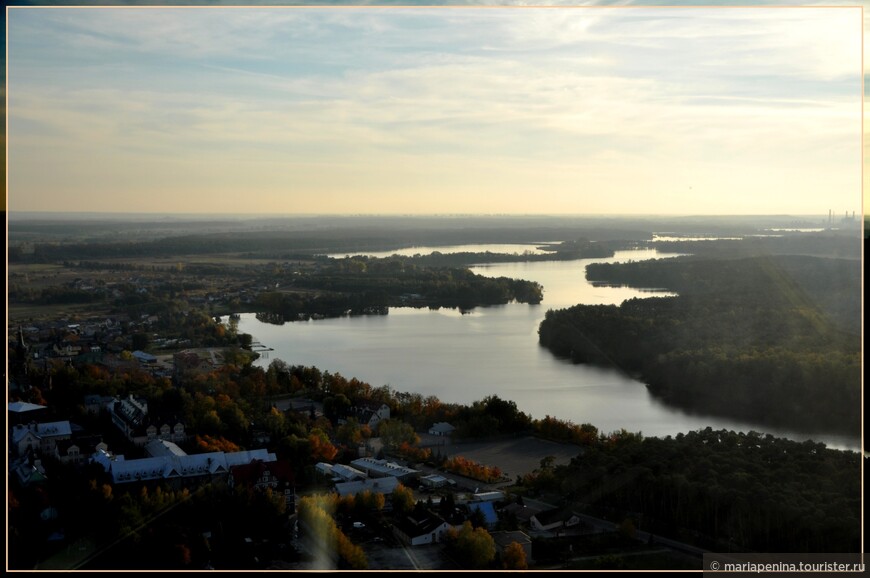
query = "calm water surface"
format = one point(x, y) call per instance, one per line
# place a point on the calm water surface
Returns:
point(462, 358)
point(510, 248)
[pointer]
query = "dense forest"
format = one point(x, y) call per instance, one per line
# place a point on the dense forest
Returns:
point(751, 338)
point(365, 286)
point(87, 242)
point(725, 491)
point(840, 244)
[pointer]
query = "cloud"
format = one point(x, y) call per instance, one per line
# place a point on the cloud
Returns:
point(409, 101)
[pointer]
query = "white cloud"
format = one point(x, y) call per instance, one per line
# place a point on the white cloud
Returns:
point(471, 100)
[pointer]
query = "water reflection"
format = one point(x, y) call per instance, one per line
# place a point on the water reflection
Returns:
point(462, 358)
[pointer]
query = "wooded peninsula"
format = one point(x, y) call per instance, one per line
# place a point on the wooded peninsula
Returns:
point(768, 338)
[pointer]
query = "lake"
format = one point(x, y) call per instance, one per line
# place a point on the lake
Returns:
point(461, 358)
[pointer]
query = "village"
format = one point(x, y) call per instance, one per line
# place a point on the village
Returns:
point(133, 444)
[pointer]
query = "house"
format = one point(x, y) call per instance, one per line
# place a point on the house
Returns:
point(28, 473)
point(97, 404)
point(23, 412)
point(76, 451)
point(130, 415)
point(504, 539)
point(554, 519)
point(522, 513)
point(68, 452)
point(41, 437)
point(161, 429)
point(66, 350)
point(369, 413)
point(381, 468)
point(417, 529)
point(197, 361)
point(441, 428)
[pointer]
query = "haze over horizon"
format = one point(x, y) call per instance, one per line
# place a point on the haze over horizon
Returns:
point(327, 111)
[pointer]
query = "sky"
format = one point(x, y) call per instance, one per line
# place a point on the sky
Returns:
point(465, 110)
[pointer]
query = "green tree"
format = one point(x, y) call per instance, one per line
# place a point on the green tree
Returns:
point(474, 546)
point(336, 406)
point(351, 433)
point(394, 433)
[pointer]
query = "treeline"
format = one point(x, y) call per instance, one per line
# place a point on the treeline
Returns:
point(355, 286)
point(396, 277)
point(316, 237)
point(581, 248)
point(745, 339)
point(831, 286)
point(278, 308)
point(838, 244)
point(722, 490)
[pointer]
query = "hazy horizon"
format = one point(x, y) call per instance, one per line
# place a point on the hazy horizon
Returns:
point(435, 111)
point(238, 215)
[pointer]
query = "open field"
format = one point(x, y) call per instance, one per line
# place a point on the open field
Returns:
point(514, 455)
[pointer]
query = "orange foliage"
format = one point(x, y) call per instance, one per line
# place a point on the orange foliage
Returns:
point(410, 452)
point(471, 469)
point(321, 448)
point(220, 444)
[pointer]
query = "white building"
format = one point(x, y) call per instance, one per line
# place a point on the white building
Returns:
point(42, 437)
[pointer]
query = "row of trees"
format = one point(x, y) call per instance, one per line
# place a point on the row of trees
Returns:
point(471, 469)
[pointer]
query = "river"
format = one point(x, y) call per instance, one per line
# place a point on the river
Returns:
point(461, 358)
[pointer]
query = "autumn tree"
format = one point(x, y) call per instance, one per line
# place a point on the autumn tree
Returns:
point(403, 499)
point(473, 546)
point(367, 501)
point(351, 433)
point(322, 449)
point(275, 422)
point(206, 443)
point(514, 557)
point(314, 513)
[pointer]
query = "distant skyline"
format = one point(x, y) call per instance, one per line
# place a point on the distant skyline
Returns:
point(435, 110)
